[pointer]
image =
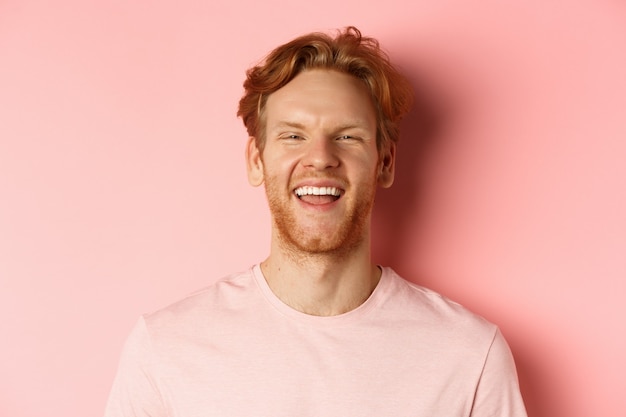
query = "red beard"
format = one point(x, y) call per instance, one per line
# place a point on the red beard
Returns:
point(341, 237)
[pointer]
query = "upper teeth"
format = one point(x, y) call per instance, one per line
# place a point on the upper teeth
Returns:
point(317, 191)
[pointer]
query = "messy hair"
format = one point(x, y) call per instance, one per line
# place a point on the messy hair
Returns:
point(348, 52)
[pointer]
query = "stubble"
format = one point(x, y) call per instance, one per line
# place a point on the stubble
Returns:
point(348, 234)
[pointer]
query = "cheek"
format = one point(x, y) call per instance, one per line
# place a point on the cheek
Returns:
point(368, 167)
point(277, 170)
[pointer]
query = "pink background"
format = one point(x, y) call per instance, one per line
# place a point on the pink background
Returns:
point(122, 178)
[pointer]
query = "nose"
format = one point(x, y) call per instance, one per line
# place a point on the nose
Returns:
point(320, 154)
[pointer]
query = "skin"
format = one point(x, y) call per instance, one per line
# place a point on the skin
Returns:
point(321, 132)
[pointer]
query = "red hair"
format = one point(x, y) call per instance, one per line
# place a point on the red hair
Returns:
point(349, 52)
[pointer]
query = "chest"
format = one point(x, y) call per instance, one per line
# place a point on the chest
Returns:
point(295, 372)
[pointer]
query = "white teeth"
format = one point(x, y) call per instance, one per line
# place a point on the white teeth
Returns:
point(317, 191)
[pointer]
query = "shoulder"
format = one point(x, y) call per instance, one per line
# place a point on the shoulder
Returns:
point(185, 315)
point(435, 313)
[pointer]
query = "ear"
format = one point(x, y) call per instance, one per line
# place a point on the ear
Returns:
point(254, 163)
point(387, 166)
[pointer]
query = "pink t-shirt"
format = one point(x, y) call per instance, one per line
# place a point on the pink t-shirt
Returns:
point(234, 349)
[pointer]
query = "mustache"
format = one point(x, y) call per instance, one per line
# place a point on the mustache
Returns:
point(338, 179)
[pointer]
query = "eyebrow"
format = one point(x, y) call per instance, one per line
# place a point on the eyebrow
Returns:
point(295, 125)
point(339, 128)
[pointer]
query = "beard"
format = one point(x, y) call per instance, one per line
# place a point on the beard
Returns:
point(324, 236)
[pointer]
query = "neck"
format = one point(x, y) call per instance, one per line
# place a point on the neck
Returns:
point(321, 284)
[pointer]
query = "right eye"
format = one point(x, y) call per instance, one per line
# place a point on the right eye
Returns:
point(292, 137)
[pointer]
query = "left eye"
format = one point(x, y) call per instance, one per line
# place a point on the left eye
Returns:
point(345, 137)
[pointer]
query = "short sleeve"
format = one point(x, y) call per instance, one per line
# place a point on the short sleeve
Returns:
point(135, 390)
point(497, 393)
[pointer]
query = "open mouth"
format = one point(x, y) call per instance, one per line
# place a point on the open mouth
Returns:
point(318, 195)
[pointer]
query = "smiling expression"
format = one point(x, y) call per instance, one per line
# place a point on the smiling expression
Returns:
point(320, 163)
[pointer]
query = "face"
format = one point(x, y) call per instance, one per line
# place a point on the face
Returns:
point(320, 162)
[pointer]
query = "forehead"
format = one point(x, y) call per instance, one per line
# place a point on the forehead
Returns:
point(321, 97)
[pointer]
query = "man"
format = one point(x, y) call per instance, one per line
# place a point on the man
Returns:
point(317, 329)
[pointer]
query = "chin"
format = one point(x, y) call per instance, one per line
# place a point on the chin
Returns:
point(344, 239)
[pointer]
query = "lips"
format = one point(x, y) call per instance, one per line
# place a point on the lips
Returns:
point(318, 195)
